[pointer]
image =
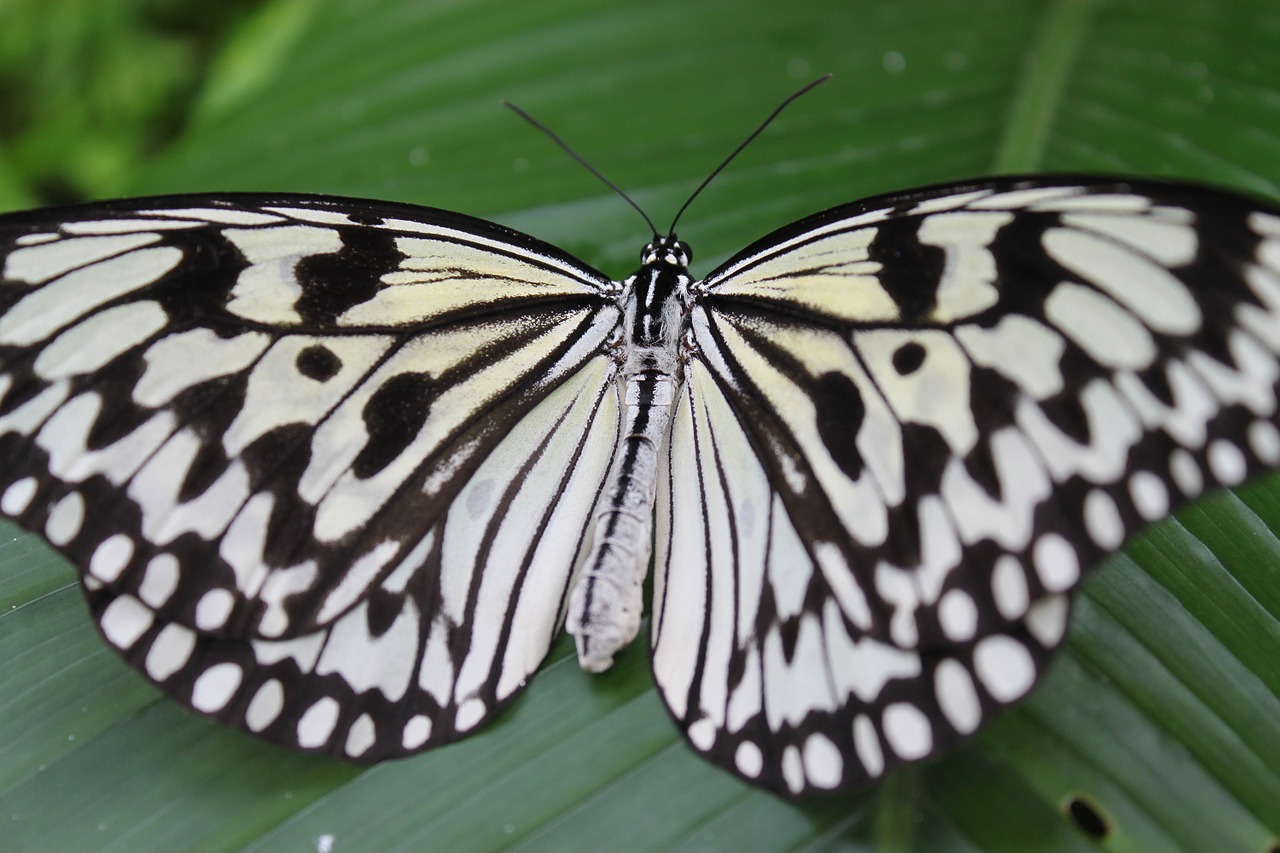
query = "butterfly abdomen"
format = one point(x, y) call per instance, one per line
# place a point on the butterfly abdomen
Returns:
point(606, 605)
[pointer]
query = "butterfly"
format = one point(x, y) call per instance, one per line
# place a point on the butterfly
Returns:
point(335, 472)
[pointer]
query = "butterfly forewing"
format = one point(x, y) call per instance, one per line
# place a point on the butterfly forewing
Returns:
point(912, 423)
point(246, 416)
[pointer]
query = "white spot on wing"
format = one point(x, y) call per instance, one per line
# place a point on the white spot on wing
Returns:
point(61, 302)
point(1009, 586)
point(748, 759)
point(958, 615)
point(1149, 495)
point(1227, 462)
point(318, 722)
point(124, 621)
point(361, 736)
point(1056, 562)
point(967, 284)
point(219, 215)
point(367, 662)
point(160, 580)
point(867, 745)
point(65, 519)
point(1004, 667)
point(1264, 441)
point(1186, 472)
point(416, 732)
point(702, 734)
point(100, 337)
point(215, 687)
point(1020, 349)
point(1144, 287)
point(268, 290)
point(265, 706)
point(843, 583)
point(302, 650)
point(110, 557)
point(1047, 619)
point(907, 731)
point(793, 769)
point(213, 609)
point(957, 697)
point(1110, 335)
point(1102, 519)
point(125, 226)
point(823, 764)
point(170, 651)
point(48, 259)
point(936, 395)
point(1173, 244)
point(470, 713)
point(864, 667)
point(17, 497)
point(185, 359)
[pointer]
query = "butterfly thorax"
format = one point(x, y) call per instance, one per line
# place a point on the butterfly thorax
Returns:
point(606, 604)
point(654, 297)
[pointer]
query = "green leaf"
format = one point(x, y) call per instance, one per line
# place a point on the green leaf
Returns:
point(1161, 717)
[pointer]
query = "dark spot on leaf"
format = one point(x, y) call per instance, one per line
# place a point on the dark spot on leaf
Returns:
point(1087, 818)
point(908, 358)
point(840, 414)
point(318, 362)
point(393, 417)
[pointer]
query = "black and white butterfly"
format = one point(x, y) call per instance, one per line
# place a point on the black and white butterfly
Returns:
point(335, 471)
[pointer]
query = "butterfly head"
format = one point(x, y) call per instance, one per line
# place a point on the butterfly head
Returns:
point(668, 251)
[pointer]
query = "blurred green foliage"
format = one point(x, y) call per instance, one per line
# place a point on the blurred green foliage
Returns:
point(87, 88)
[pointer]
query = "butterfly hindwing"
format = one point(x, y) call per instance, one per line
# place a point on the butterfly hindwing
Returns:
point(439, 643)
point(928, 415)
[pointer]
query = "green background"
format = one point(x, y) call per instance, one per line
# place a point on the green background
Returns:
point(1163, 712)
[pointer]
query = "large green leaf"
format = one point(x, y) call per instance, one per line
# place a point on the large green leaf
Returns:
point(1159, 728)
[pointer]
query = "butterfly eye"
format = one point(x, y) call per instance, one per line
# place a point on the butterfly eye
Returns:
point(679, 253)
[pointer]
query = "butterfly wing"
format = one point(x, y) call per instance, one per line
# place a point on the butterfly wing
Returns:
point(930, 413)
point(304, 450)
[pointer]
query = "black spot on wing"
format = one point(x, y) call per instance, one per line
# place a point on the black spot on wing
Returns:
point(383, 608)
point(910, 271)
point(334, 282)
point(840, 414)
point(908, 358)
point(1156, 380)
point(393, 416)
point(318, 362)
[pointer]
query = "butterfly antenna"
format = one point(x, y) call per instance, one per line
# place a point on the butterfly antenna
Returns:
point(575, 155)
point(782, 106)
